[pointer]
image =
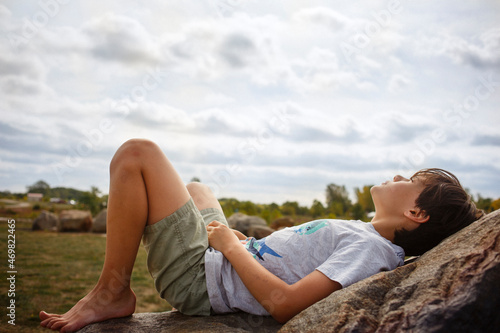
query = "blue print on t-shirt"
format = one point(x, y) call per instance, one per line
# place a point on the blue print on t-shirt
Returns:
point(258, 248)
point(310, 227)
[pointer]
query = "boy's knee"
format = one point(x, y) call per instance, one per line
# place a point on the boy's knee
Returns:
point(196, 188)
point(132, 151)
point(202, 196)
point(133, 145)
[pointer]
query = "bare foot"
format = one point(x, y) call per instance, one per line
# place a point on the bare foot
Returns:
point(98, 305)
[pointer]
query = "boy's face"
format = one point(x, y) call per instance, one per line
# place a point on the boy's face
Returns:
point(396, 196)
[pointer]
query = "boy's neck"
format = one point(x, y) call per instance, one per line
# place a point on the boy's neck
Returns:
point(385, 227)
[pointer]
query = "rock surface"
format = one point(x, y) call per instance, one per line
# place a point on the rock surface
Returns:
point(282, 222)
point(243, 222)
point(99, 224)
point(75, 220)
point(452, 288)
point(45, 221)
point(259, 232)
point(177, 322)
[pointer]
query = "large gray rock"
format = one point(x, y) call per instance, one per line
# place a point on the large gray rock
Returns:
point(244, 223)
point(75, 220)
point(282, 222)
point(45, 221)
point(452, 288)
point(259, 232)
point(99, 224)
point(176, 322)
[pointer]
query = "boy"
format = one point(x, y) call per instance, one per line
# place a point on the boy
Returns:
point(202, 267)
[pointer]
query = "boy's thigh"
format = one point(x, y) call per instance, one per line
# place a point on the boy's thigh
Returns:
point(176, 248)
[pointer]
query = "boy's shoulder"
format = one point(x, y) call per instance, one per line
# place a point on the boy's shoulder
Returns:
point(334, 230)
point(346, 225)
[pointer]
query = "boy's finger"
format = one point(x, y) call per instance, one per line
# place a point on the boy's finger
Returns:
point(214, 223)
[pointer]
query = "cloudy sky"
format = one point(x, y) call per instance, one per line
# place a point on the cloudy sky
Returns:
point(265, 101)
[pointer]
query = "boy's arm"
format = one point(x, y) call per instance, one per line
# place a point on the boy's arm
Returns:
point(281, 300)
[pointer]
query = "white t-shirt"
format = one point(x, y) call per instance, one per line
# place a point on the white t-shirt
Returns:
point(345, 251)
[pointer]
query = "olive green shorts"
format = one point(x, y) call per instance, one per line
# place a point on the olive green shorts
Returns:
point(176, 248)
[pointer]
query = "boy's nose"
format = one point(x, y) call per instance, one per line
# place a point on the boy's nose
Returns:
point(398, 178)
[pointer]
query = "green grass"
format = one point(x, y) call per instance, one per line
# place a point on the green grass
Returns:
point(55, 270)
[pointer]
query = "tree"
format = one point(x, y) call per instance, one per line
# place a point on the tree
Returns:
point(66, 193)
point(290, 208)
point(229, 206)
point(317, 209)
point(270, 212)
point(357, 212)
point(496, 204)
point(248, 207)
point(365, 198)
point(91, 200)
point(484, 203)
point(337, 200)
point(39, 187)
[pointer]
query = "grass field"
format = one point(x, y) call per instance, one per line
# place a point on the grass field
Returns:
point(55, 270)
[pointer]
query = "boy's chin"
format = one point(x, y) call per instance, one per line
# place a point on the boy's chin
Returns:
point(375, 189)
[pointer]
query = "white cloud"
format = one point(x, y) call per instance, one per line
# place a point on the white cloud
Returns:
point(216, 99)
point(19, 86)
point(24, 65)
point(213, 49)
point(483, 51)
point(323, 16)
point(269, 87)
point(120, 38)
point(398, 83)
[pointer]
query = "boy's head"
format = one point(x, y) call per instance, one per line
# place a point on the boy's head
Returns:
point(446, 204)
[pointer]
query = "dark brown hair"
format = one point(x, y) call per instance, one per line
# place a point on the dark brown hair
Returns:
point(448, 206)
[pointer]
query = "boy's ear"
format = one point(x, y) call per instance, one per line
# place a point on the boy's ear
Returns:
point(417, 215)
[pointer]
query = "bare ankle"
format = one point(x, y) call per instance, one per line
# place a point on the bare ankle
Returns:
point(104, 294)
point(115, 281)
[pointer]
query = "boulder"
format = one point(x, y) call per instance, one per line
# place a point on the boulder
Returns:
point(45, 221)
point(259, 232)
point(176, 322)
point(455, 287)
point(99, 224)
point(282, 222)
point(74, 220)
point(451, 288)
point(243, 222)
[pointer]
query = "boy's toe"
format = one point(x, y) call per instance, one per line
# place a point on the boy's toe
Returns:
point(44, 315)
point(57, 324)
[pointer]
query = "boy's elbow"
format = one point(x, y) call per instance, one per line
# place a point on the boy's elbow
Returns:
point(283, 312)
point(282, 318)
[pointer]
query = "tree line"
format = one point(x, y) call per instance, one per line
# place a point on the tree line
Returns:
point(337, 203)
point(89, 200)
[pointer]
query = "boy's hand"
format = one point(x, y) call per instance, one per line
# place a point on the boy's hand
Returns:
point(238, 234)
point(220, 237)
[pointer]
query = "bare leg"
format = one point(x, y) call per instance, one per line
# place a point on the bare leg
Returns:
point(144, 188)
point(202, 196)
